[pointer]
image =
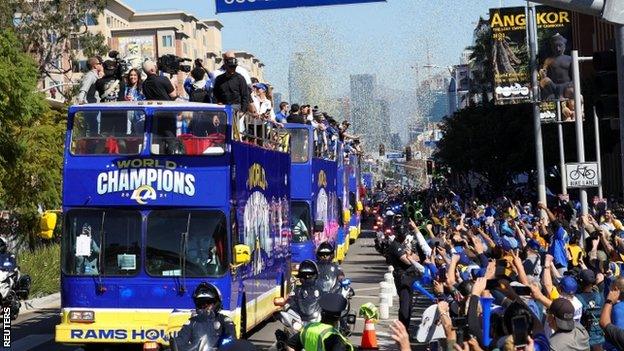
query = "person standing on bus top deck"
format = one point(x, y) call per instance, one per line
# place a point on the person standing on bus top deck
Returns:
point(88, 265)
point(282, 115)
point(207, 329)
point(87, 88)
point(198, 86)
point(230, 87)
point(157, 87)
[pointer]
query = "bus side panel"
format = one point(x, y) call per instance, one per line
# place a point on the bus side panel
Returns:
point(261, 191)
point(324, 203)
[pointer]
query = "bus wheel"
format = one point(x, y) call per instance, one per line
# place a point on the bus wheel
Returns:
point(243, 320)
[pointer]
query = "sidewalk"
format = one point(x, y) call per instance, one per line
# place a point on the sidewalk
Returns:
point(366, 267)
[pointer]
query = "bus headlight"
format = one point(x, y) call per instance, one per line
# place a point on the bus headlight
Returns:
point(82, 316)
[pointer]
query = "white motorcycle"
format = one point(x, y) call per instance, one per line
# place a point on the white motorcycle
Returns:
point(14, 287)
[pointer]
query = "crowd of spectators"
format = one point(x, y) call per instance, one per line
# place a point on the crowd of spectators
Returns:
point(548, 270)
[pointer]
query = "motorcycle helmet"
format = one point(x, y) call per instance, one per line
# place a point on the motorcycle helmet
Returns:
point(206, 294)
point(325, 252)
point(307, 270)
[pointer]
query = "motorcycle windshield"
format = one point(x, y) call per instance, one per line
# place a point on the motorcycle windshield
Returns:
point(308, 303)
point(327, 280)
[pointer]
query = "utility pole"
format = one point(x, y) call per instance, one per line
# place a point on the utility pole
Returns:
point(611, 11)
point(537, 123)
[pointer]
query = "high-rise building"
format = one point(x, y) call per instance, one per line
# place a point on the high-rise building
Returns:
point(363, 103)
point(295, 78)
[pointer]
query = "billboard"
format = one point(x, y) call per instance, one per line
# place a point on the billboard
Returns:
point(554, 39)
point(509, 56)
point(137, 49)
point(254, 5)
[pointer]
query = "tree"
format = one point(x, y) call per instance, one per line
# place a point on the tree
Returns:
point(31, 141)
point(54, 31)
point(481, 62)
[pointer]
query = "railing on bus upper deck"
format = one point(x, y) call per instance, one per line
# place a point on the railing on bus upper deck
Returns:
point(260, 132)
point(325, 144)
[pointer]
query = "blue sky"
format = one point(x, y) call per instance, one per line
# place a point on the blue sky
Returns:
point(386, 38)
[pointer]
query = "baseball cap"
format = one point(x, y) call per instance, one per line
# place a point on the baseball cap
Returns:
point(587, 276)
point(261, 86)
point(568, 285)
point(563, 311)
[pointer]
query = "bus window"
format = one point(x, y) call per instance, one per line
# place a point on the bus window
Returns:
point(107, 132)
point(298, 145)
point(86, 230)
point(204, 249)
point(189, 133)
point(300, 221)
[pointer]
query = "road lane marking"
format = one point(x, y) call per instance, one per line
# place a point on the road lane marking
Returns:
point(31, 341)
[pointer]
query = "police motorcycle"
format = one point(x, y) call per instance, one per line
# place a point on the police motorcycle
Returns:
point(302, 306)
point(331, 279)
point(207, 329)
point(13, 286)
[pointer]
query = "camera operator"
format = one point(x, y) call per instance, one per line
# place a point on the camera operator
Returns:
point(156, 87)
point(111, 87)
point(405, 271)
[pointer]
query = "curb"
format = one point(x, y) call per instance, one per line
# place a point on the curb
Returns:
point(41, 302)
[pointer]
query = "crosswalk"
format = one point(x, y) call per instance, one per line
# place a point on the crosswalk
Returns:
point(30, 342)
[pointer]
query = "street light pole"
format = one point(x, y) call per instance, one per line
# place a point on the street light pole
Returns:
point(537, 123)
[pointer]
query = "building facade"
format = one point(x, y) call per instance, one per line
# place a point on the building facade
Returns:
point(139, 36)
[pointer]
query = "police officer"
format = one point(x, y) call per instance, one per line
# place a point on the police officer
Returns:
point(323, 335)
point(305, 296)
point(404, 270)
point(329, 273)
point(207, 328)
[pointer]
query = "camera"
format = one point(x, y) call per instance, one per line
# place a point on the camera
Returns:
point(121, 66)
point(172, 64)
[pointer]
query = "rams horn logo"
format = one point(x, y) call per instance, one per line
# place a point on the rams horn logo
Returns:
point(143, 193)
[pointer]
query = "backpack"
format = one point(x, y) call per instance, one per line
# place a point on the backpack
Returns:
point(199, 95)
point(590, 318)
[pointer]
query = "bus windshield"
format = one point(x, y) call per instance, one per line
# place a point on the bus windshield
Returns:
point(188, 132)
point(193, 240)
point(107, 132)
point(95, 237)
point(299, 145)
point(300, 221)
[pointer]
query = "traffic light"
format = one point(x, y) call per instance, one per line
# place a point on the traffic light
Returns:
point(382, 150)
point(408, 153)
point(430, 167)
point(606, 82)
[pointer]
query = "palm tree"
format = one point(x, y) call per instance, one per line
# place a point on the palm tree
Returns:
point(481, 61)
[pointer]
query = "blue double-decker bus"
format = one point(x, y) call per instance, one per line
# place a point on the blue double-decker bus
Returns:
point(355, 181)
point(313, 191)
point(158, 197)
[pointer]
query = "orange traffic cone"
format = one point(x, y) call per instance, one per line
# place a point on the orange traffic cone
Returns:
point(369, 337)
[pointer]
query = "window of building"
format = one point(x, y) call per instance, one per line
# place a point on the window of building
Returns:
point(108, 20)
point(185, 48)
point(167, 41)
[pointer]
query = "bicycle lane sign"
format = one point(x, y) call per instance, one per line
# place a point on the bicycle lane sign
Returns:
point(582, 175)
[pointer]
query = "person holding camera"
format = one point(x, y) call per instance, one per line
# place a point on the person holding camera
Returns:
point(110, 87)
point(156, 87)
point(198, 86)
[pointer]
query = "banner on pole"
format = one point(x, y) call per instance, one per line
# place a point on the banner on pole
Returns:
point(509, 56)
point(256, 5)
point(554, 39)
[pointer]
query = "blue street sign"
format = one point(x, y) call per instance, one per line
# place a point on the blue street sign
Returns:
point(255, 5)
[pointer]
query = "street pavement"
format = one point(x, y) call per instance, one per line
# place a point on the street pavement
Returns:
point(34, 330)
